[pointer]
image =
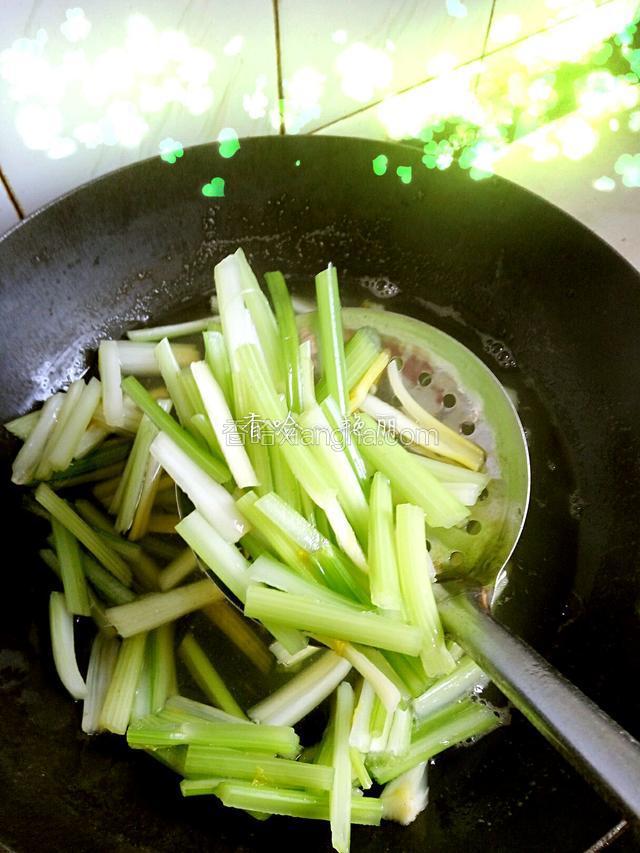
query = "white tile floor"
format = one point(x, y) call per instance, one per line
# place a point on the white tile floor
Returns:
point(340, 55)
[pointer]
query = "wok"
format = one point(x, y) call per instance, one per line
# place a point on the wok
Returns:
point(549, 307)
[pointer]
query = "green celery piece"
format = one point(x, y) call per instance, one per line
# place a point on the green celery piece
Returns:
point(164, 422)
point(383, 566)
point(206, 677)
point(73, 579)
point(235, 764)
point(360, 351)
point(366, 811)
point(337, 621)
point(453, 725)
point(288, 334)
point(331, 338)
point(92, 541)
point(411, 482)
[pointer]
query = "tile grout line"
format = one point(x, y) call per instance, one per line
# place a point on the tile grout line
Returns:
point(426, 80)
point(4, 182)
point(280, 83)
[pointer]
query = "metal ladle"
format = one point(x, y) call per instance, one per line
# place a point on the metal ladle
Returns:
point(604, 753)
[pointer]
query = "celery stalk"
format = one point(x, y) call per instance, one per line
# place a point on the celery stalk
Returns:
point(221, 420)
point(223, 559)
point(73, 579)
point(465, 678)
point(467, 719)
point(164, 422)
point(340, 796)
point(416, 577)
point(383, 566)
point(173, 330)
point(331, 338)
point(70, 401)
point(62, 643)
point(30, 454)
point(157, 608)
point(410, 481)
point(162, 667)
point(206, 677)
point(178, 569)
point(239, 631)
point(139, 358)
point(118, 703)
point(102, 663)
point(233, 764)
point(23, 426)
point(360, 351)
point(212, 500)
point(218, 360)
point(76, 424)
point(302, 693)
point(288, 335)
point(303, 804)
point(332, 620)
point(406, 796)
point(92, 541)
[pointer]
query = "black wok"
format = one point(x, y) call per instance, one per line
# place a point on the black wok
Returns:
point(552, 310)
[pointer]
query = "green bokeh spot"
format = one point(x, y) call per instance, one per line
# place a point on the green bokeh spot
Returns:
point(214, 189)
point(380, 164)
point(628, 165)
point(170, 150)
point(298, 162)
point(228, 142)
point(405, 173)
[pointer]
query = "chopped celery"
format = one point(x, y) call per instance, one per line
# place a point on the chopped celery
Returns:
point(139, 358)
point(180, 709)
point(223, 425)
point(406, 796)
point(466, 720)
point(416, 578)
point(450, 443)
point(288, 335)
point(163, 522)
point(92, 541)
point(465, 678)
point(240, 631)
point(111, 376)
point(223, 559)
point(340, 796)
point(218, 360)
point(410, 481)
point(302, 693)
point(332, 620)
point(359, 392)
point(331, 338)
point(73, 579)
point(171, 374)
point(289, 661)
point(64, 416)
point(212, 500)
point(94, 516)
point(173, 330)
point(400, 732)
point(62, 643)
point(128, 493)
point(360, 352)
point(303, 804)
point(161, 665)
point(183, 439)
point(204, 674)
point(30, 454)
point(23, 426)
point(306, 368)
point(359, 770)
point(68, 442)
point(178, 569)
point(110, 589)
point(157, 608)
point(360, 734)
point(279, 740)
point(385, 689)
point(233, 764)
point(102, 663)
point(383, 566)
point(118, 702)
